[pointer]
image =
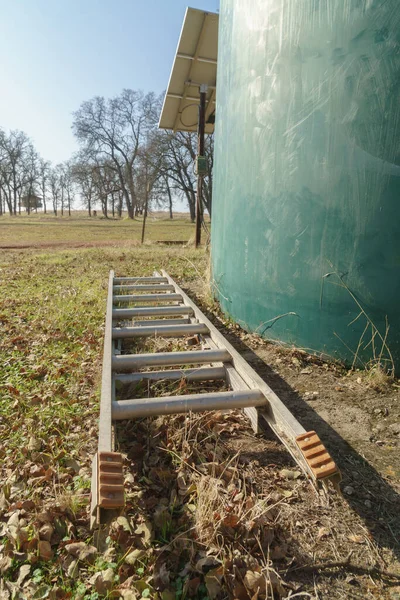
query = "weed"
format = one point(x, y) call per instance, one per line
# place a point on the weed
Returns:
point(381, 361)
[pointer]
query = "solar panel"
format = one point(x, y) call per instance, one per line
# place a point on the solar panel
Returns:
point(195, 63)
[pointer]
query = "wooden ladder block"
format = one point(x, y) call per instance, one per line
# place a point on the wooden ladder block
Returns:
point(316, 455)
point(110, 480)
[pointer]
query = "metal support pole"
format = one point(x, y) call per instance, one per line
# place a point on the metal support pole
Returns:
point(200, 141)
point(146, 203)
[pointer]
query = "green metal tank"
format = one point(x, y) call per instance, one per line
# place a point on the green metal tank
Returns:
point(306, 197)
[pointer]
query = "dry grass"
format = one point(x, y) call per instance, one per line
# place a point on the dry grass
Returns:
point(212, 511)
point(234, 514)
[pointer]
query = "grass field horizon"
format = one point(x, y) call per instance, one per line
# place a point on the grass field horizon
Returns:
point(41, 230)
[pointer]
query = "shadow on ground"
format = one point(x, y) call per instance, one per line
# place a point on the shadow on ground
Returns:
point(373, 498)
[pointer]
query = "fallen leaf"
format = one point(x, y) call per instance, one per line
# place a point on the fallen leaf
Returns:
point(34, 443)
point(208, 561)
point(132, 594)
point(213, 582)
point(23, 574)
point(133, 556)
point(73, 464)
point(13, 525)
point(42, 592)
point(37, 471)
point(82, 551)
point(45, 551)
point(124, 523)
point(103, 581)
point(46, 531)
point(254, 581)
point(231, 520)
point(288, 474)
point(5, 564)
point(73, 568)
point(145, 529)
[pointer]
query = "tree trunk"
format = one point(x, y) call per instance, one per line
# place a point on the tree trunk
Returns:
point(120, 199)
point(171, 216)
point(113, 204)
point(131, 186)
point(191, 196)
point(15, 193)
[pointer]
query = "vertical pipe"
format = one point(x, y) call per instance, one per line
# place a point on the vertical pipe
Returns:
point(200, 141)
point(145, 211)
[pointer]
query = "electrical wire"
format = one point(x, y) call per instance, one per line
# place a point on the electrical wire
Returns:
point(181, 113)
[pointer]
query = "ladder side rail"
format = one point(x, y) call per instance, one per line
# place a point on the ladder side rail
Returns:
point(107, 384)
point(278, 415)
point(283, 423)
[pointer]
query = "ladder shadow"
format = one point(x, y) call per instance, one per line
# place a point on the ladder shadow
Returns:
point(383, 520)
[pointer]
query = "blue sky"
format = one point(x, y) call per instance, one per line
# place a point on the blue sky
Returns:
point(57, 53)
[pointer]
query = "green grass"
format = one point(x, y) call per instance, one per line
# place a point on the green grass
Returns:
point(37, 229)
point(189, 500)
point(52, 312)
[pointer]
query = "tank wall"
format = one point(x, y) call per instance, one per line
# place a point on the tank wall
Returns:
point(306, 197)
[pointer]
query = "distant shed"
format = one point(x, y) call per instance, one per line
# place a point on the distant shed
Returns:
point(31, 202)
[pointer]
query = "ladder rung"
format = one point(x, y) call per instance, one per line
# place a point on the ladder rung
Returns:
point(119, 280)
point(126, 362)
point(200, 374)
point(169, 405)
point(126, 313)
point(157, 322)
point(149, 298)
point(161, 287)
point(160, 330)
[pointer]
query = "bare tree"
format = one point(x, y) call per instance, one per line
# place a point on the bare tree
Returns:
point(113, 130)
point(44, 172)
point(30, 178)
point(13, 149)
point(82, 175)
point(55, 188)
point(179, 153)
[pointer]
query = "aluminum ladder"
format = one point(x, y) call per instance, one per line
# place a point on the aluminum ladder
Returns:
point(157, 306)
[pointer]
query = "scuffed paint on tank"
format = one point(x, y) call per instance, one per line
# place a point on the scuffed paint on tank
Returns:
point(306, 198)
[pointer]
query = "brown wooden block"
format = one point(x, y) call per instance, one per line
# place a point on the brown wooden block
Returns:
point(110, 480)
point(316, 455)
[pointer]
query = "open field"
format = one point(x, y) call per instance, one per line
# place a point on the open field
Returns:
point(212, 511)
point(79, 230)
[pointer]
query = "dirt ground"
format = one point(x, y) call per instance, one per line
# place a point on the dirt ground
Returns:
point(357, 415)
